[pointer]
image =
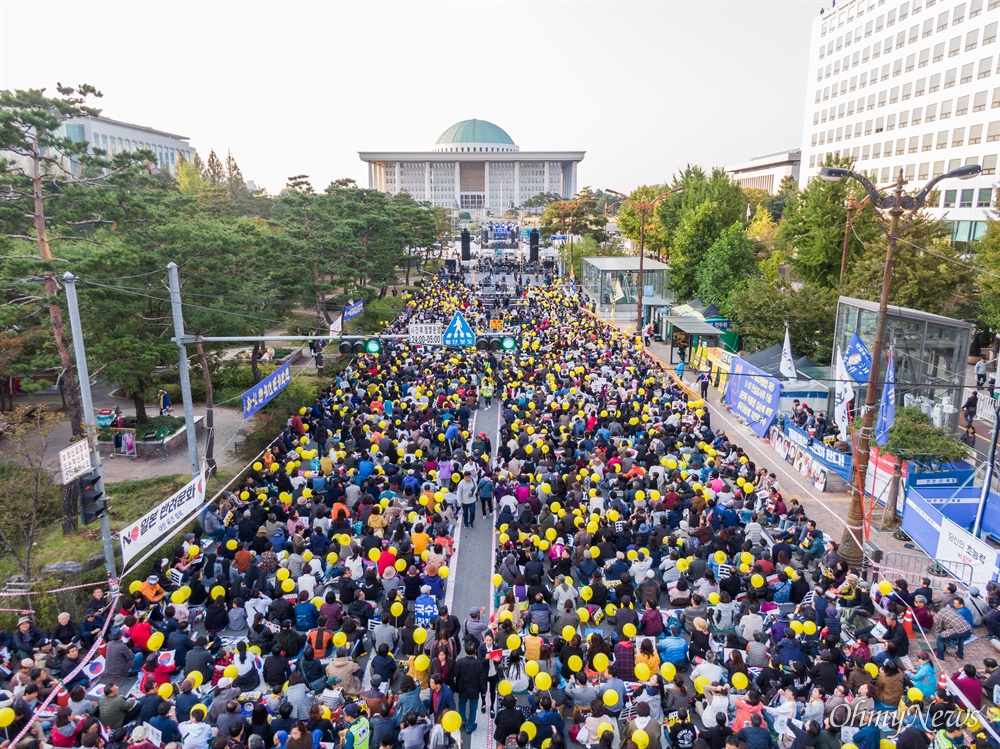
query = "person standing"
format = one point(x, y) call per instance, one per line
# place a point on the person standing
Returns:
point(485, 490)
point(467, 498)
point(164, 400)
point(980, 369)
point(703, 383)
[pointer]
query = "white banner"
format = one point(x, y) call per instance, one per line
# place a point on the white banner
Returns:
point(162, 521)
point(955, 544)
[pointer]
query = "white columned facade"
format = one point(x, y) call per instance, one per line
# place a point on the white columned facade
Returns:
point(398, 175)
point(371, 176)
point(517, 183)
point(458, 186)
point(545, 188)
point(572, 179)
point(486, 185)
point(427, 180)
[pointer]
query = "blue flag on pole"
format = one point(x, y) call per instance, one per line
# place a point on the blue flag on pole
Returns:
point(858, 360)
point(887, 408)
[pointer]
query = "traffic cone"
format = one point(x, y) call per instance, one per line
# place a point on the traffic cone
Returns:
point(908, 623)
point(942, 682)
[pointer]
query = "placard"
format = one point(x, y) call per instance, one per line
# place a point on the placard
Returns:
point(75, 460)
point(425, 334)
point(754, 395)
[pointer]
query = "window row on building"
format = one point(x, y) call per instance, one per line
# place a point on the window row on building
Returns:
point(971, 135)
point(942, 18)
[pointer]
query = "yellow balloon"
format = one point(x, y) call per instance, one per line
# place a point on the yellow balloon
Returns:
point(529, 728)
point(339, 639)
point(885, 587)
point(586, 593)
point(155, 641)
point(451, 721)
point(421, 662)
point(504, 688)
point(281, 574)
point(642, 671)
point(739, 680)
point(165, 691)
point(641, 738)
point(629, 630)
point(700, 683)
point(374, 554)
point(288, 586)
point(567, 632)
point(443, 572)
point(601, 662)
point(513, 642)
point(584, 614)
point(668, 671)
point(610, 698)
point(531, 668)
point(575, 663)
point(713, 598)
point(720, 557)
point(543, 681)
point(757, 581)
point(809, 627)
point(230, 671)
point(396, 609)
point(420, 635)
point(196, 677)
point(497, 580)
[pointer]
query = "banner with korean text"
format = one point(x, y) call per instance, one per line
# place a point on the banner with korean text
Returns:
point(163, 521)
point(753, 395)
point(264, 391)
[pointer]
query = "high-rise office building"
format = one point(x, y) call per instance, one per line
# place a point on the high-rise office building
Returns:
point(911, 85)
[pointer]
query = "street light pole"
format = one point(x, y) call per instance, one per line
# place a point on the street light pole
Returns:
point(643, 209)
point(895, 205)
point(851, 205)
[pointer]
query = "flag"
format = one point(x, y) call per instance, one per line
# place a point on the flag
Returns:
point(619, 292)
point(787, 366)
point(858, 360)
point(336, 326)
point(845, 394)
point(887, 408)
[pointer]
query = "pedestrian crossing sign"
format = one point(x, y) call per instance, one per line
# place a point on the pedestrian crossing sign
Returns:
point(459, 333)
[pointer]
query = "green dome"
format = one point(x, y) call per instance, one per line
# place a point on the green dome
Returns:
point(474, 131)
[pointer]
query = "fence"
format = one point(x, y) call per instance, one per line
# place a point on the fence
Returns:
point(986, 407)
point(914, 566)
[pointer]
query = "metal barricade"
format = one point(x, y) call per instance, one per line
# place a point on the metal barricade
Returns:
point(985, 407)
point(912, 567)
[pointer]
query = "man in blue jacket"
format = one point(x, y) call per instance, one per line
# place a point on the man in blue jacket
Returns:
point(442, 699)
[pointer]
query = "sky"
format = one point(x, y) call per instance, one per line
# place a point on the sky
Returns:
point(300, 87)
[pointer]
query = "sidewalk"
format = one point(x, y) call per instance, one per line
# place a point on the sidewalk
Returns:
point(229, 423)
point(828, 509)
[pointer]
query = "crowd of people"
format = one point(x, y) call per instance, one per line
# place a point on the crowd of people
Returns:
point(652, 585)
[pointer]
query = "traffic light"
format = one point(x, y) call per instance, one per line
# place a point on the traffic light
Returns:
point(92, 502)
point(496, 343)
point(361, 346)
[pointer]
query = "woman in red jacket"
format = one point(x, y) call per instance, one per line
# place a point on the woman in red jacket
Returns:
point(153, 669)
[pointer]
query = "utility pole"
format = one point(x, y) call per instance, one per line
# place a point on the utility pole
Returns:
point(184, 372)
point(851, 205)
point(895, 205)
point(89, 419)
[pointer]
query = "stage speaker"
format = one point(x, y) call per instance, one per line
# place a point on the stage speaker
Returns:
point(451, 265)
point(466, 245)
point(533, 246)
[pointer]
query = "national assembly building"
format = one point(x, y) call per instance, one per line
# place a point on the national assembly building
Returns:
point(474, 166)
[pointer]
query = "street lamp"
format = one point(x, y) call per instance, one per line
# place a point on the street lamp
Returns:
point(896, 204)
point(643, 209)
point(563, 208)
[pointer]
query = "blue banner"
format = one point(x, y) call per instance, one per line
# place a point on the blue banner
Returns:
point(264, 391)
point(753, 394)
point(921, 522)
point(858, 360)
point(838, 462)
point(353, 310)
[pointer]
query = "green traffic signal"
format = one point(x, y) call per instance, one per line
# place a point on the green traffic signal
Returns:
point(507, 343)
point(373, 346)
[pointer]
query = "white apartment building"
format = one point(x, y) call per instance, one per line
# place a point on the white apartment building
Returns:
point(475, 166)
point(911, 84)
point(113, 137)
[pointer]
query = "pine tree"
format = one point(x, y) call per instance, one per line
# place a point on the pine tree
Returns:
point(234, 178)
point(199, 163)
point(214, 172)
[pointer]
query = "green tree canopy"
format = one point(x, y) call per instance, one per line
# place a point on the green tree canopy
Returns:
point(700, 228)
point(914, 437)
point(629, 220)
point(760, 310)
point(730, 262)
point(814, 226)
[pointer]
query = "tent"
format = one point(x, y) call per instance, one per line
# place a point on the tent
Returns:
point(769, 360)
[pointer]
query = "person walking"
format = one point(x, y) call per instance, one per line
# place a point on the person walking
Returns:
point(980, 370)
point(485, 490)
point(703, 383)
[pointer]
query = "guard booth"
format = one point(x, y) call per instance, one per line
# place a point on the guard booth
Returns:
point(610, 284)
point(684, 334)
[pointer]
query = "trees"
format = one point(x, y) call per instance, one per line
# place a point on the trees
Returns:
point(214, 173)
point(698, 188)
point(579, 216)
point(698, 231)
point(928, 272)
point(763, 232)
point(987, 257)
point(814, 225)
point(913, 437)
point(728, 263)
point(787, 192)
point(760, 310)
point(30, 499)
point(629, 221)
